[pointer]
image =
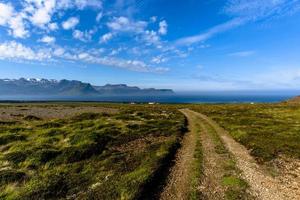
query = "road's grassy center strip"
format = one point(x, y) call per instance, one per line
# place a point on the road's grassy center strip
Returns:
point(197, 167)
point(235, 187)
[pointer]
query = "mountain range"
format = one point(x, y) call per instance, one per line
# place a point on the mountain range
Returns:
point(46, 87)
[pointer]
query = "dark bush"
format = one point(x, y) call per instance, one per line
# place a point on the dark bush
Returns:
point(16, 156)
point(17, 129)
point(31, 118)
point(81, 152)
point(7, 138)
point(8, 123)
point(87, 116)
point(134, 126)
point(262, 154)
point(53, 186)
point(55, 132)
point(8, 176)
point(45, 155)
point(51, 125)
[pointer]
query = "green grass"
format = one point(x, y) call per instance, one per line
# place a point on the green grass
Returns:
point(267, 130)
point(88, 156)
point(197, 169)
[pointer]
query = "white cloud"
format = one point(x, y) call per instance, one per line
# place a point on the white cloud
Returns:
point(257, 9)
point(48, 39)
point(163, 27)
point(99, 16)
point(59, 52)
point(82, 4)
point(70, 23)
point(83, 36)
point(132, 65)
point(6, 13)
point(151, 37)
point(53, 26)
point(245, 11)
point(242, 53)
point(14, 21)
point(116, 51)
point(79, 4)
point(159, 59)
point(153, 19)
point(82, 56)
point(78, 35)
point(106, 37)
point(42, 12)
point(17, 27)
point(124, 24)
point(211, 32)
point(161, 69)
point(16, 51)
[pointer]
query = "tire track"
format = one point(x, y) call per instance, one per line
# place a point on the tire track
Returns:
point(177, 186)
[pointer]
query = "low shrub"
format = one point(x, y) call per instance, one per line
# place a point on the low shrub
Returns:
point(7, 138)
point(31, 118)
point(80, 152)
point(50, 125)
point(9, 175)
point(45, 155)
point(16, 157)
point(87, 116)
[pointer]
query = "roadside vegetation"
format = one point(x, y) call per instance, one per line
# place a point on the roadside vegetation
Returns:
point(267, 130)
point(91, 155)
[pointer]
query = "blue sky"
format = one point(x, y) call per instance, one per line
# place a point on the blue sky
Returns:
point(186, 45)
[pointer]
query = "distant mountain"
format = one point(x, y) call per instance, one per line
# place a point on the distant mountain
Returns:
point(45, 87)
point(123, 89)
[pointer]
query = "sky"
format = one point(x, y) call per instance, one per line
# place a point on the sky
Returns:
point(185, 45)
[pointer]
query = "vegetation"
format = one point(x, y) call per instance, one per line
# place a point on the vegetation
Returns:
point(197, 169)
point(87, 156)
point(268, 130)
point(116, 151)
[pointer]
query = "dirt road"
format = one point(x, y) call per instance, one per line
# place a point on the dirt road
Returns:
point(261, 183)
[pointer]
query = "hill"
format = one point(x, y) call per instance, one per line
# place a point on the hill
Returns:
point(45, 87)
point(293, 100)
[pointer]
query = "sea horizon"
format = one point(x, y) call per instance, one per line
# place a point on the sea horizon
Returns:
point(242, 96)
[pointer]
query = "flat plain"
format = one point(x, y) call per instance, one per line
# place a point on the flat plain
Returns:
point(122, 151)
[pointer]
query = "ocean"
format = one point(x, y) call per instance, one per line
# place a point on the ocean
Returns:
point(179, 97)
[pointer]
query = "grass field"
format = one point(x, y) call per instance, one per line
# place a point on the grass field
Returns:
point(117, 151)
point(268, 130)
point(106, 154)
